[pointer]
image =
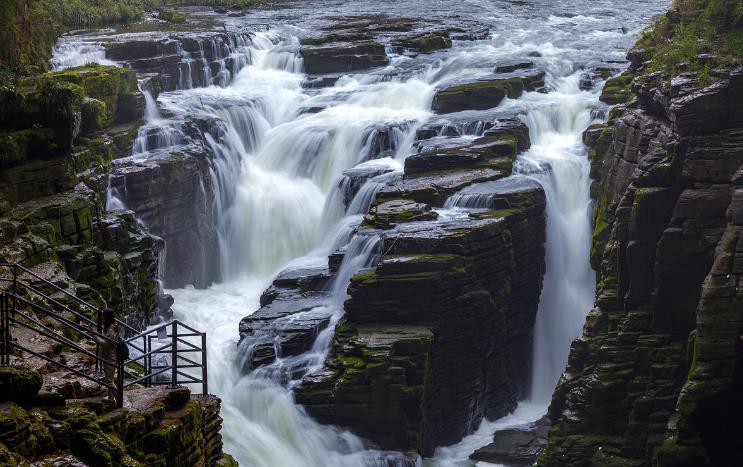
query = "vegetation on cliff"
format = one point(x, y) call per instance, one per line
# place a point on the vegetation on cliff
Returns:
point(695, 35)
point(29, 28)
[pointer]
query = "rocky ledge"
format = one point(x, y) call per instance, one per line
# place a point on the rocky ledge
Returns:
point(167, 427)
point(655, 379)
point(60, 133)
point(437, 330)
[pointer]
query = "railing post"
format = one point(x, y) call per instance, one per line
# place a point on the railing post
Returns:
point(204, 372)
point(144, 361)
point(4, 350)
point(174, 356)
point(120, 360)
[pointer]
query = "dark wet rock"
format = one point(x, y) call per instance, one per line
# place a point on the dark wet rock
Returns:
point(653, 379)
point(287, 324)
point(181, 60)
point(470, 34)
point(509, 66)
point(18, 384)
point(391, 212)
point(354, 178)
point(343, 57)
point(435, 188)
point(425, 43)
point(488, 151)
point(486, 93)
point(320, 82)
point(514, 192)
point(510, 129)
point(586, 82)
point(167, 191)
point(516, 447)
point(290, 318)
point(414, 358)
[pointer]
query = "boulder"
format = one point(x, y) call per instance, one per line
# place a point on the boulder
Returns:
point(517, 447)
point(18, 384)
point(425, 43)
point(509, 66)
point(486, 93)
point(343, 57)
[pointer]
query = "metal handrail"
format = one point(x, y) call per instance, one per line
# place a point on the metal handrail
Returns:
point(17, 266)
point(178, 345)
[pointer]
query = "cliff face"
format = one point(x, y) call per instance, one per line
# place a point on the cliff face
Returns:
point(656, 378)
point(59, 133)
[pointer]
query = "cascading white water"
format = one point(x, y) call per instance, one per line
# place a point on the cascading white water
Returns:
point(279, 153)
point(70, 53)
point(289, 163)
point(556, 123)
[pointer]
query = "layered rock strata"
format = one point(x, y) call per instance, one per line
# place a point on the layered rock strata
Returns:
point(54, 220)
point(182, 60)
point(437, 333)
point(656, 377)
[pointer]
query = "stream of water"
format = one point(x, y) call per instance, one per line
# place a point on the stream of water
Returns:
point(278, 172)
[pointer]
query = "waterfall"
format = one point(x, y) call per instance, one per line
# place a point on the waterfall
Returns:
point(558, 160)
point(291, 170)
point(70, 52)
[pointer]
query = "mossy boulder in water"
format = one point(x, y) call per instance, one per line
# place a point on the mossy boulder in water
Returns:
point(425, 43)
point(486, 93)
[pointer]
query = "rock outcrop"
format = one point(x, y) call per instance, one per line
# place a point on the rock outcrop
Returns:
point(657, 376)
point(488, 92)
point(182, 60)
point(165, 427)
point(437, 331)
point(339, 57)
point(52, 188)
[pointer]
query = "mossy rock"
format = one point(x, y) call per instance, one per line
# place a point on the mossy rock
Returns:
point(109, 84)
point(18, 384)
point(94, 116)
point(96, 448)
point(17, 147)
point(227, 461)
point(617, 90)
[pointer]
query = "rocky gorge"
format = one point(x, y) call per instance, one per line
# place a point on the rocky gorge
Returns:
point(666, 326)
point(398, 214)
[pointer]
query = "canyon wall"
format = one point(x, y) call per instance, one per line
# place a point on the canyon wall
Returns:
point(656, 377)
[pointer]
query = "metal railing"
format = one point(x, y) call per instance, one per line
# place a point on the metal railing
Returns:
point(163, 349)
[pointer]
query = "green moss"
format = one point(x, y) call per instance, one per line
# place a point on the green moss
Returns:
point(21, 146)
point(365, 276)
point(617, 90)
point(674, 42)
point(173, 16)
point(598, 238)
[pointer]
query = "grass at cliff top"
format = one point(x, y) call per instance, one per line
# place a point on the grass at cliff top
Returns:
point(29, 28)
point(692, 28)
point(87, 13)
